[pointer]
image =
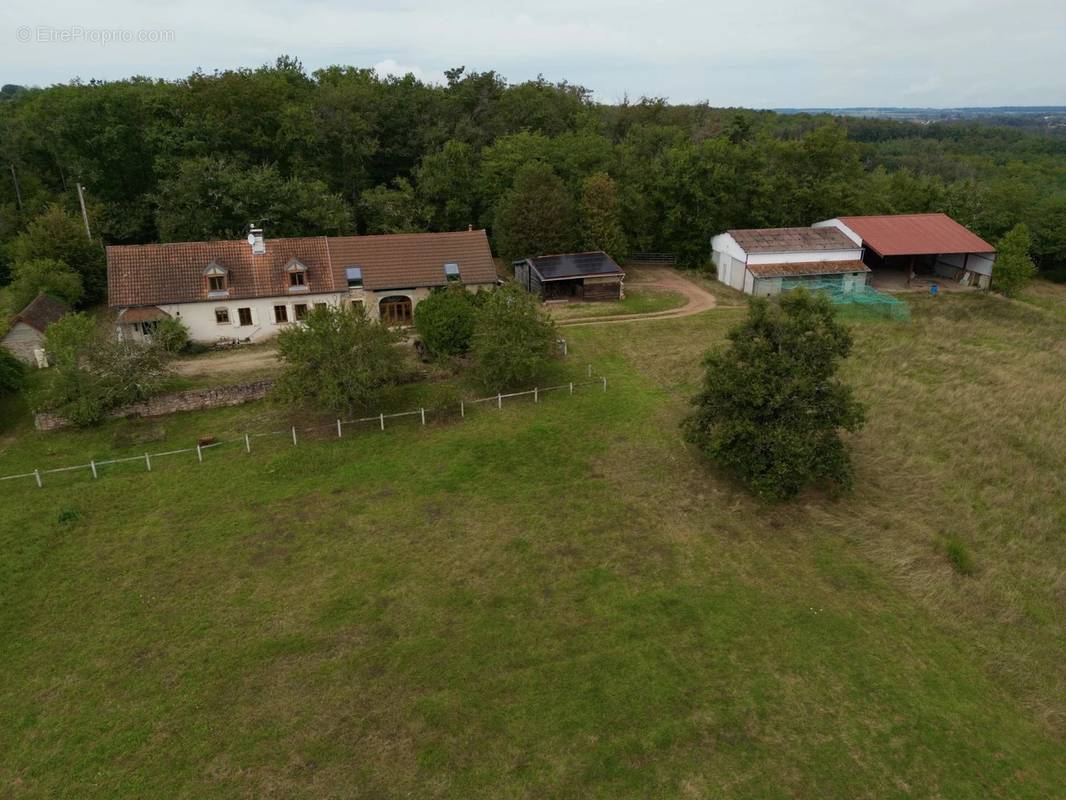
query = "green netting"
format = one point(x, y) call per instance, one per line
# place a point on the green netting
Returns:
point(855, 300)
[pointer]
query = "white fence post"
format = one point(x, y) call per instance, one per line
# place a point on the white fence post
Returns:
point(247, 443)
point(499, 400)
point(536, 395)
point(590, 370)
point(571, 387)
point(338, 429)
point(294, 436)
point(605, 383)
point(462, 409)
point(147, 462)
point(37, 475)
point(382, 422)
point(199, 453)
point(92, 466)
point(423, 415)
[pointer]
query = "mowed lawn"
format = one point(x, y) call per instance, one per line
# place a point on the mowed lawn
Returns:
point(560, 600)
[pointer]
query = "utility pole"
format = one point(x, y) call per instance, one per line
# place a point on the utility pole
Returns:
point(84, 215)
point(15, 178)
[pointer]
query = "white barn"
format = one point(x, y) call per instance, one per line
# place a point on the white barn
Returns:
point(768, 261)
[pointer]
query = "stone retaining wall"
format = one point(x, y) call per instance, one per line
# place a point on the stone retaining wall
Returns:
point(192, 400)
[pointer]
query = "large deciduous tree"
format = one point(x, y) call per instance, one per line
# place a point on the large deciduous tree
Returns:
point(536, 217)
point(601, 227)
point(43, 275)
point(772, 410)
point(56, 235)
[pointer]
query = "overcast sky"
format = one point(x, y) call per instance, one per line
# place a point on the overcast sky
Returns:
point(755, 53)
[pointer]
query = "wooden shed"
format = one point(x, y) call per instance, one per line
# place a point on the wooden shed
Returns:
point(25, 333)
point(571, 277)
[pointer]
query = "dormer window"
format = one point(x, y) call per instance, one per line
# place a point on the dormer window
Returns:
point(451, 272)
point(217, 277)
point(297, 271)
point(354, 276)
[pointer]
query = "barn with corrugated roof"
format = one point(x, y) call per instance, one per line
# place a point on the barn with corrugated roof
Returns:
point(902, 249)
point(767, 261)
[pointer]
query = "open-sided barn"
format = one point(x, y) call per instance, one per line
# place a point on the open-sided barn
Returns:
point(900, 247)
point(571, 276)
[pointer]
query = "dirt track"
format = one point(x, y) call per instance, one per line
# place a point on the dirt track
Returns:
point(699, 299)
point(237, 361)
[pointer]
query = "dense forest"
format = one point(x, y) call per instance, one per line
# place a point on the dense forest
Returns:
point(542, 166)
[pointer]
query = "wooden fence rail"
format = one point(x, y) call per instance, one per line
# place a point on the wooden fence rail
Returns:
point(245, 439)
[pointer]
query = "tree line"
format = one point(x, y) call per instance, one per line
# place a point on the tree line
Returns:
point(541, 165)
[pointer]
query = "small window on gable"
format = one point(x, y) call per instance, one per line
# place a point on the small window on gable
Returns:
point(451, 271)
point(217, 279)
point(222, 316)
point(355, 277)
point(297, 275)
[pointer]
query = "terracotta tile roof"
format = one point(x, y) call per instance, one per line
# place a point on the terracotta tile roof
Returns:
point(155, 274)
point(41, 312)
point(151, 274)
point(791, 240)
point(406, 260)
point(800, 268)
point(916, 234)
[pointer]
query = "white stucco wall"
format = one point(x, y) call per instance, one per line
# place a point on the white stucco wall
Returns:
point(199, 317)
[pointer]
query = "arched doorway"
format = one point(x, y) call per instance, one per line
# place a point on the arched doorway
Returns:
point(395, 310)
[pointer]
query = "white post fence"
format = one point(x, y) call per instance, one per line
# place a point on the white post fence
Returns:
point(94, 466)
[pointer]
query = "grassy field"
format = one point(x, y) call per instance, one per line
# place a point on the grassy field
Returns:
point(560, 600)
point(636, 301)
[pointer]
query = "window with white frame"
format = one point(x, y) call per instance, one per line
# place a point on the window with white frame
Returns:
point(281, 314)
point(354, 276)
point(451, 271)
point(222, 316)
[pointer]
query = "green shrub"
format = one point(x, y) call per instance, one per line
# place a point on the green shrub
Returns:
point(1014, 268)
point(172, 335)
point(339, 359)
point(92, 372)
point(446, 320)
point(12, 373)
point(771, 409)
point(514, 339)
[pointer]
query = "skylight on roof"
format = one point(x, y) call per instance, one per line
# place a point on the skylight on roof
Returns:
point(451, 271)
point(354, 276)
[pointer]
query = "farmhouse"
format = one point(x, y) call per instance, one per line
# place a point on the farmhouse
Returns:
point(251, 290)
point(901, 247)
point(571, 276)
point(771, 260)
point(25, 335)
